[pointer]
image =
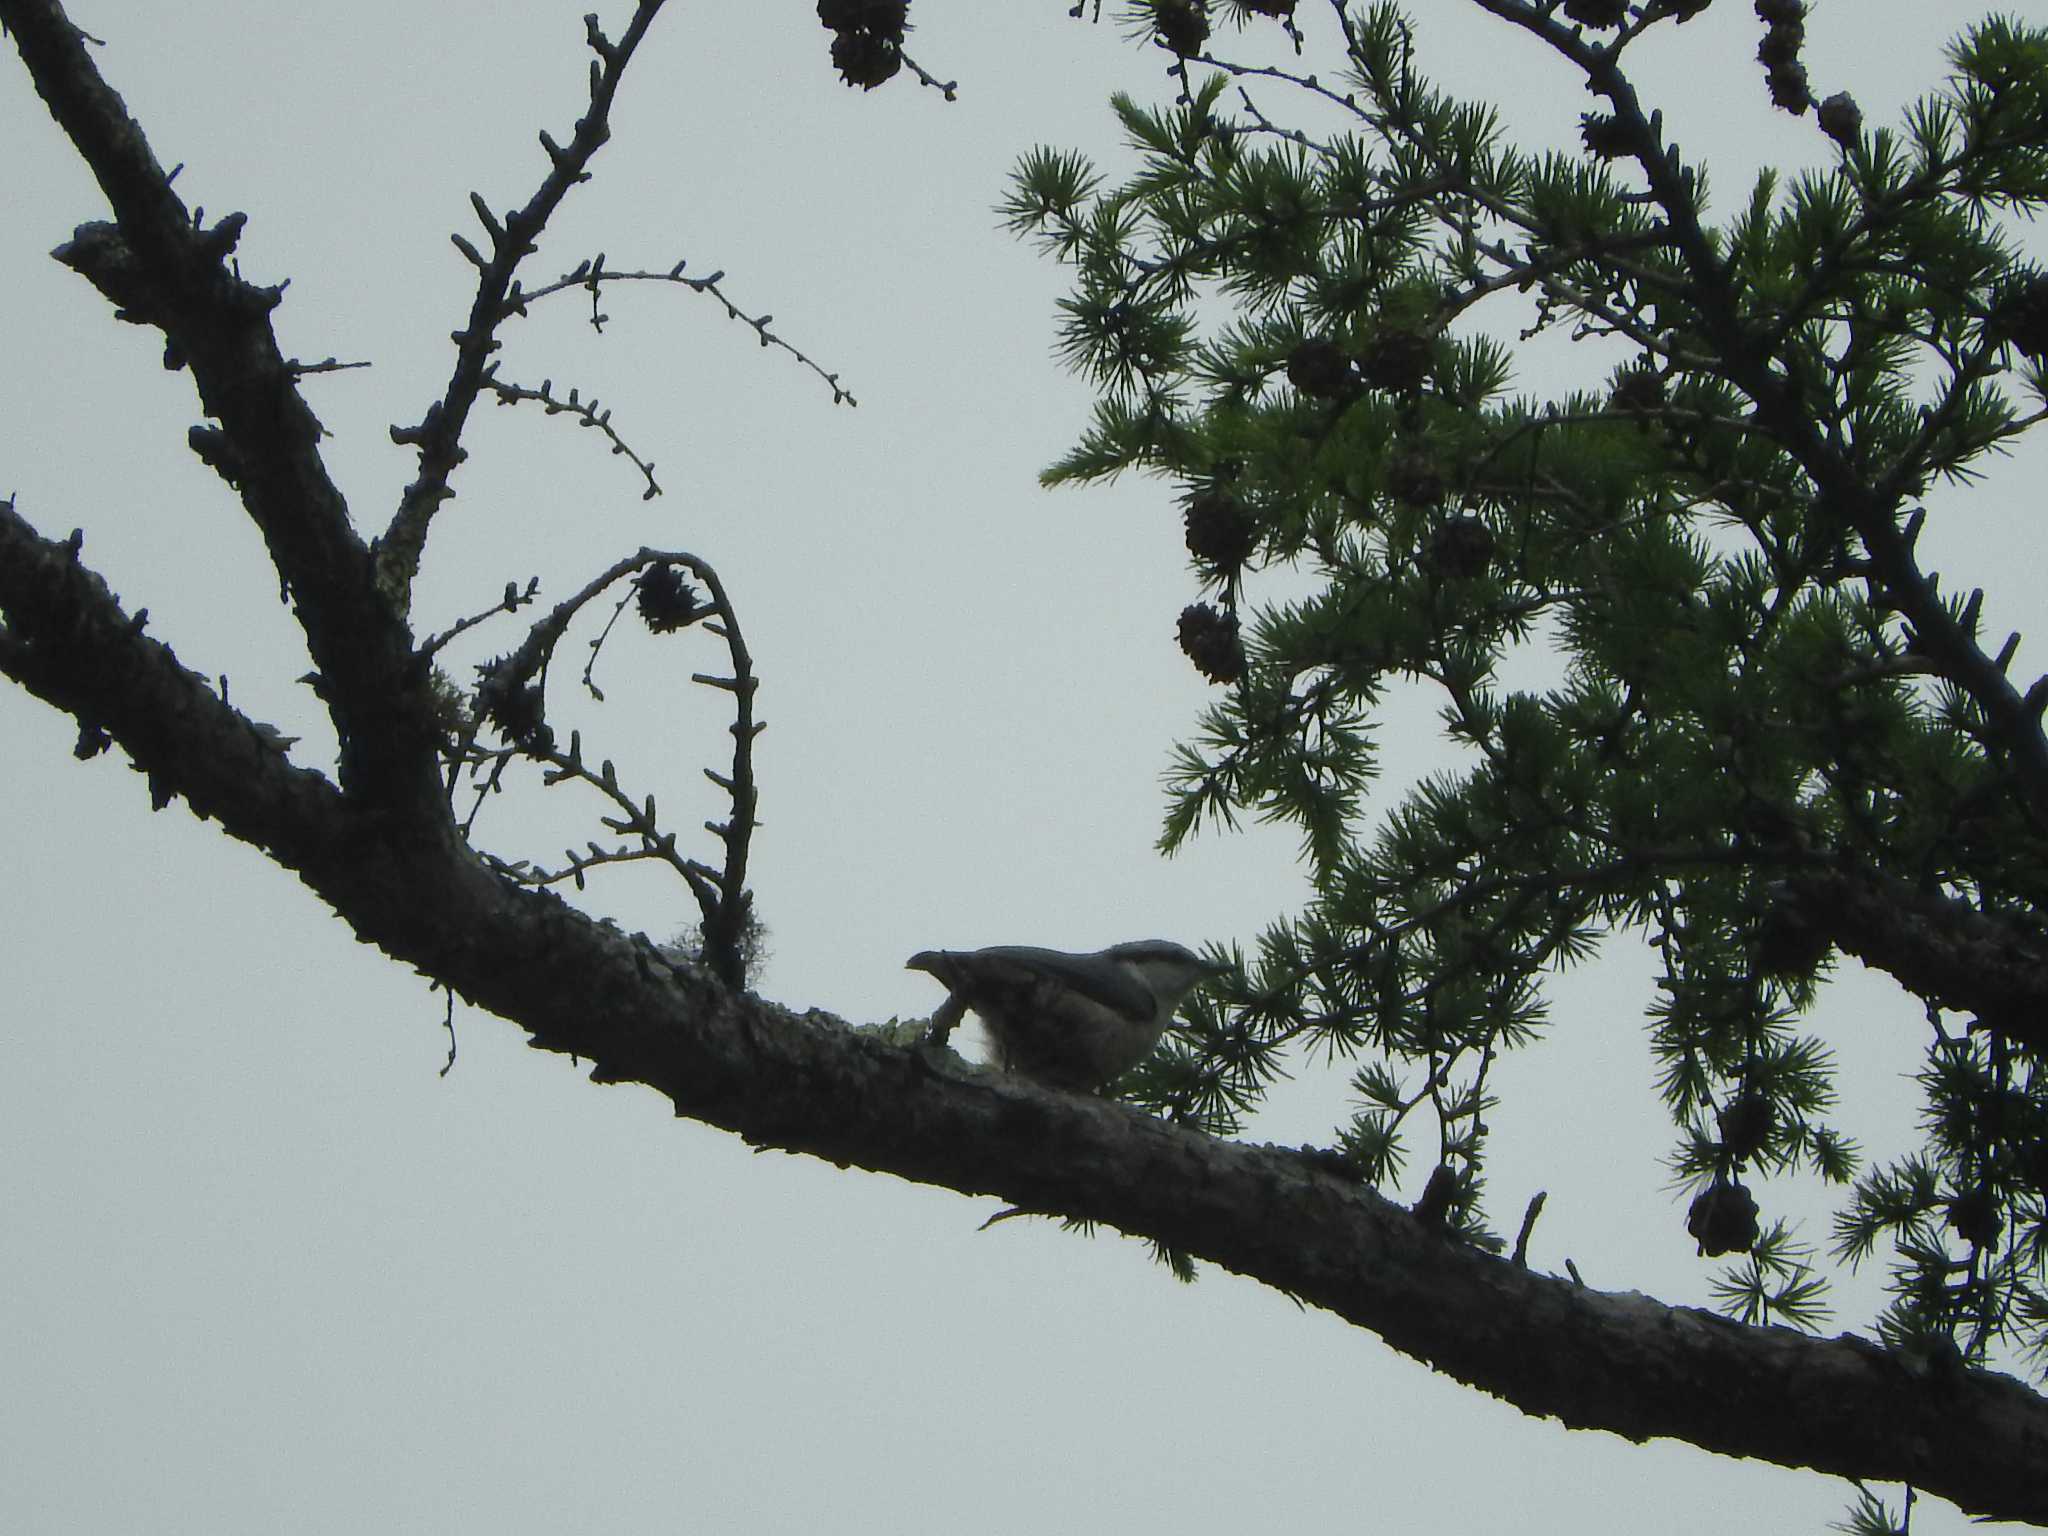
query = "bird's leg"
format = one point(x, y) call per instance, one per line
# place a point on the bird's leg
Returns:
point(944, 1019)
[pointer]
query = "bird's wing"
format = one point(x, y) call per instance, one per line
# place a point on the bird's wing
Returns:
point(1017, 965)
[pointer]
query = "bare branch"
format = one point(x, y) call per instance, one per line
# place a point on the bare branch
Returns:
point(438, 435)
point(590, 276)
point(585, 411)
point(511, 699)
point(513, 600)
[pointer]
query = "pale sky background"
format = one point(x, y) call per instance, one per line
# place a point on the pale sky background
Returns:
point(266, 1271)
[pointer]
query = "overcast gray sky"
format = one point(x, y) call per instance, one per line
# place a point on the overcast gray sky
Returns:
point(266, 1271)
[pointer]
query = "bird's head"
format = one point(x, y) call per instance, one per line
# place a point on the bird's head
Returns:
point(1167, 970)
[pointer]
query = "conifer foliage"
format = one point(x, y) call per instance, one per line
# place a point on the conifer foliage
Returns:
point(1771, 735)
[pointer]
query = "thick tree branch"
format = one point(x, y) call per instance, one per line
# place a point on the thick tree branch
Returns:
point(69, 642)
point(807, 1083)
point(159, 268)
point(1934, 946)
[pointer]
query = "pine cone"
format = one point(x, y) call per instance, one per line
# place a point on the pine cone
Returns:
point(1210, 640)
point(1722, 1219)
point(1745, 1123)
point(1413, 479)
point(1397, 361)
point(1603, 136)
point(2020, 315)
point(1974, 1215)
point(1220, 532)
point(865, 59)
point(1319, 368)
point(1461, 548)
point(1183, 25)
point(667, 602)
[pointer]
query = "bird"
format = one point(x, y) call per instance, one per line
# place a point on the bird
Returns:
point(1069, 1021)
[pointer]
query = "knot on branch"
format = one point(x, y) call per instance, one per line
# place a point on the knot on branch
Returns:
point(216, 450)
point(100, 253)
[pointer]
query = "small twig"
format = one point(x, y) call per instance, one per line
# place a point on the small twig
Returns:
point(491, 783)
point(1266, 125)
point(637, 818)
point(597, 644)
point(299, 370)
point(1528, 1225)
point(511, 602)
point(585, 411)
point(946, 88)
point(590, 275)
point(1347, 100)
point(448, 1023)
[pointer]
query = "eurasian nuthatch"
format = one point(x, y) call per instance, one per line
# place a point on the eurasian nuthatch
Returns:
point(1069, 1021)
